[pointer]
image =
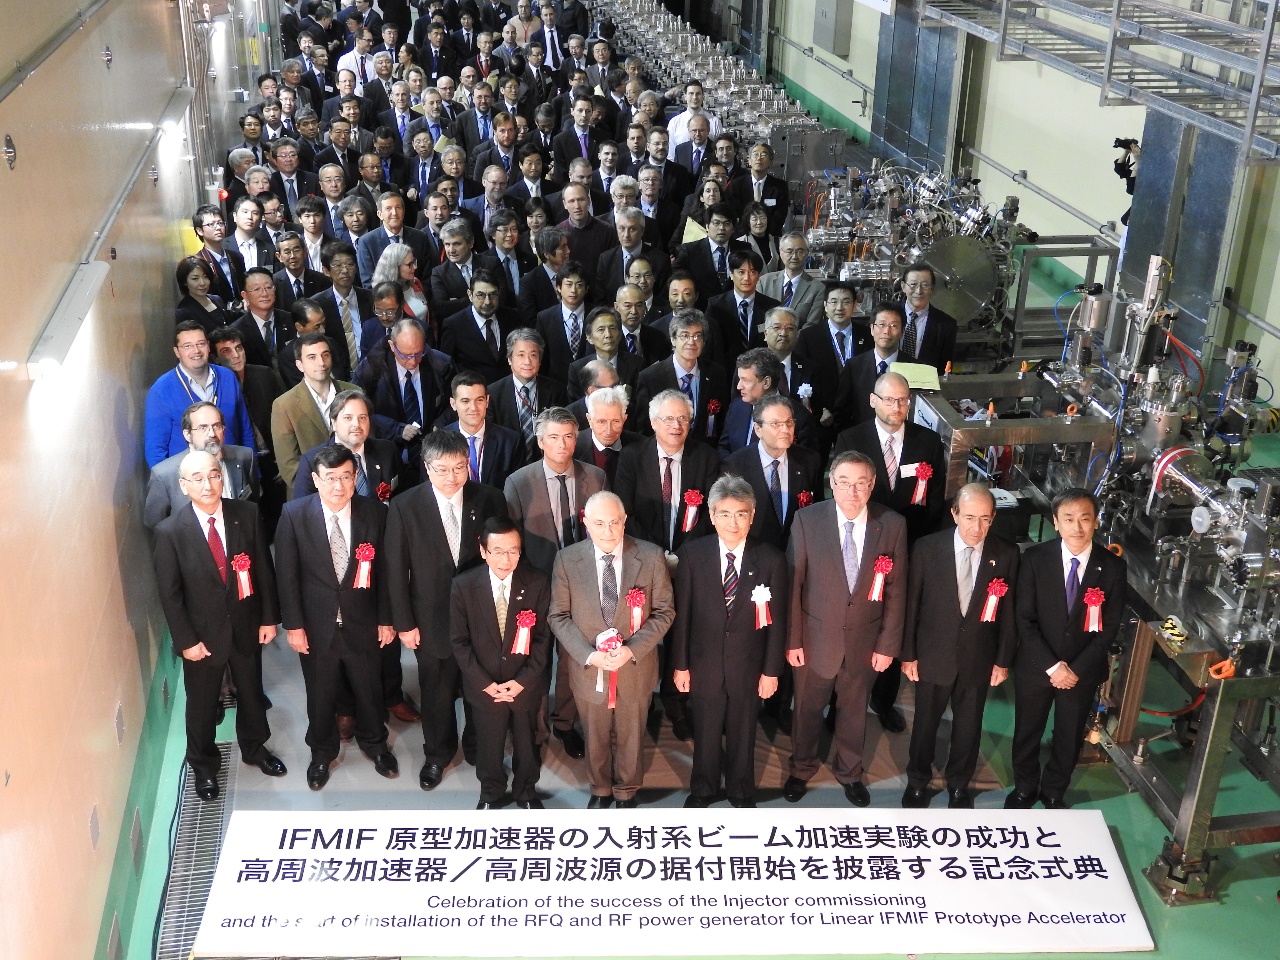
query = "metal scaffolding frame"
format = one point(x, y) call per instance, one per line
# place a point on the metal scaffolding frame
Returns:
point(1097, 41)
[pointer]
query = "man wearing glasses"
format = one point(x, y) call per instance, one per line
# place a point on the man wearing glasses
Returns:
point(205, 432)
point(853, 405)
point(899, 451)
point(825, 348)
point(848, 563)
point(929, 334)
point(704, 383)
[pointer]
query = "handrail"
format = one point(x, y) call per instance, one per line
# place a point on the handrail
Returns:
point(845, 73)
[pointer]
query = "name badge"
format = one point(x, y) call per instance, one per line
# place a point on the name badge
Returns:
point(908, 469)
point(770, 201)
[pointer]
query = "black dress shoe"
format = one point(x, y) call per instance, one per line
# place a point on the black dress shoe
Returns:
point(794, 789)
point(1055, 803)
point(430, 775)
point(695, 801)
point(386, 765)
point(915, 798)
point(599, 803)
point(959, 799)
point(857, 794)
point(207, 788)
point(682, 729)
point(534, 804)
point(1017, 800)
point(317, 775)
point(486, 805)
point(892, 720)
point(742, 802)
point(573, 744)
point(271, 765)
point(629, 804)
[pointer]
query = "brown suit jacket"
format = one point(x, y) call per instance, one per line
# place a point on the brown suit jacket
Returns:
point(296, 427)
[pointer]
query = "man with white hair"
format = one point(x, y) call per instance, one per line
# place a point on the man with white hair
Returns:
point(605, 438)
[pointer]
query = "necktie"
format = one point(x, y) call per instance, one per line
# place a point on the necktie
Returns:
point(631, 343)
point(722, 264)
point(607, 181)
point(744, 316)
point(608, 591)
point(484, 125)
point(850, 553)
point(337, 549)
point(841, 339)
point(435, 131)
point(402, 126)
point(348, 328)
point(667, 493)
point(512, 275)
point(225, 266)
point(216, 548)
point(575, 333)
point(730, 581)
point(506, 164)
point(291, 192)
point(964, 578)
point(473, 460)
point(362, 478)
point(553, 50)
point(759, 189)
point(335, 221)
point(364, 77)
point(484, 67)
point(500, 606)
point(788, 291)
point(566, 512)
point(751, 432)
point(412, 409)
point(491, 337)
point(582, 139)
point(297, 293)
point(1073, 583)
point(452, 531)
point(890, 462)
point(686, 385)
point(909, 334)
point(881, 367)
point(386, 175)
point(775, 491)
point(697, 159)
point(526, 420)
point(268, 329)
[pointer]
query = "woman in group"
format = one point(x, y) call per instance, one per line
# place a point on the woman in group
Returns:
point(195, 278)
point(755, 227)
point(695, 209)
point(406, 58)
point(398, 262)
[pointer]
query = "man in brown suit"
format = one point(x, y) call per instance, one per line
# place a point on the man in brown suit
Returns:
point(599, 590)
point(300, 417)
point(840, 638)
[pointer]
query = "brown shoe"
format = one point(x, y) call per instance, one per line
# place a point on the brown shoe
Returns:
point(346, 728)
point(405, 713)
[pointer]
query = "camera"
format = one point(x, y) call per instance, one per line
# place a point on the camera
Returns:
point(1124, 144)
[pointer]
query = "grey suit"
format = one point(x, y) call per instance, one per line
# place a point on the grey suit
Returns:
point(839, 630)
point(806, 299)
point(614, 737)
point(164, 496)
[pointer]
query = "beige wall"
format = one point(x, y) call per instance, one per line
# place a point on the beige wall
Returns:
point(81, 626)
point(795, 20)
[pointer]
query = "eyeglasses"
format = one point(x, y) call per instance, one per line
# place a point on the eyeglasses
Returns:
point(214, 223)
point(512, 552)
point(689, 337)
point(742, 516)
point(844, 486)
point(893, 327)
point(201, 478)
point(839, 301)
point(777, 424)
point(674, 421)
point(387, 314)
point(335, 479)
point(442, 470)
point(894, 401)
point(918, 286)
point(207, 427)
point(193, 346)
point(408, 356)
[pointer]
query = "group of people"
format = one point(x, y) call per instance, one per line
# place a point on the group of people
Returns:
point(573, 467)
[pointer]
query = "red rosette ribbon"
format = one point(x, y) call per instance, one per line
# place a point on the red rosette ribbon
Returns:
point(525, 620)
point(364, 573)
point(713, 409)
point(240, 563)
point(609, 643)
point(384, 491)
point(805, 498)
point(635, 600)
point(996, 589)
point(692, 501)
point(923, 473)
point(884, 564)
point(1093, 598)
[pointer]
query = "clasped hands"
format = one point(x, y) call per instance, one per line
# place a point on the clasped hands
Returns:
point(611, 660)
point(504, 692)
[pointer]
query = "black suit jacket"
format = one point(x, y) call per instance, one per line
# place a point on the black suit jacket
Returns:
point(683, 155)
point(713, 386)
point(260, 387)
point(381, 463)
point(696, 257)
point(311, 595)
point(724, 649)
point(1048, 632)
point(255, 348)
point(343, 362)
point(559, 356)
point(565, 146)
point(379, 377)
point(722, 314)
point(919, 445)
point(651, 344)
point(816, 349)
point(484, 653)
point(776, 196)
point(609, 271)
point(198, 606)
point(639, 485)
point(450, 293)
point(950, 648)
point(939, 344)
point(308, 185)
point(460, 338)
point(501, 453)
point(348, 159)
point(537, 293)
point(607, 460)
point(628, 366)
point(504, 409)
point(804, 487)
point(857, 381)
point(525, 262)
point(313, 282)
point(422, 568)
point(220, 286)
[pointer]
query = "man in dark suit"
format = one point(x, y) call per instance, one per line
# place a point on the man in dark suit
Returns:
point(736, 316)
point(843, 630)
point(708, 259)
point(763, 187)
point(538, 287)
point(503, 659)
point(493, 452)
point(437, 57)
point(704, 382)
point(289, 183)
point(347, 307)
point(610, 267)
point(451, 278)
point(723, 656)
point(204, 431)
point(604, 334)
point(957, 643)
point(217, 590)
point(507, 258)
point(563, 327)
point(475, 126)
point(604, 438)
point(1070, 604)
point(663, 483)
point(295, 280)
point(391, 211)
point(825, 348)
point(472, 336)
point(929, 334)
point(759, 374)
point(549, 523)
point(858, 379)
point(640, 339)
point(264, 329)
point(432, 536)
point(579, 140)
point(910, 466)
point(516, 400)
point(677, 182)
point(228, 266)
point(695, 154)
point(336, 608)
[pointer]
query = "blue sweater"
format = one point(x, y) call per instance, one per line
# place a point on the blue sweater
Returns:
point(169, 398)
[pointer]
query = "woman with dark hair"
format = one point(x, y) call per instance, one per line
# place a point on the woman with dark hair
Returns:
point(537, 214)
point(755, 233)
point(194, 278)
point(405, 58)
point(708, 194)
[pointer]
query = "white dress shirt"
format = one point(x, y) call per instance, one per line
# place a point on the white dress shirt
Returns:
point(344, 524)
point(859, 533)
point(677, 502)
point(324, 402)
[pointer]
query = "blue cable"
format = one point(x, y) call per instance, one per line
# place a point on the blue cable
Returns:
point(1269, 384)
point(1058, 319)
point(1222, 397)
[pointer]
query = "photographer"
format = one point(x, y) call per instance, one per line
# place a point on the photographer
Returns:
point(1126, 168)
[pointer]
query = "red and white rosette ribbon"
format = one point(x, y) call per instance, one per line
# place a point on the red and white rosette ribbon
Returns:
point(525, 620)
point(240, 563)
point(884, 564)
point(996, 589)
point(384, 491)
point(713, 408)
point(635, 600)
point(923, 473)
point(1093, 598)
point(761, 596)
point(364, 572)
point(804, 498)
point(607, 643)
point(692, 501)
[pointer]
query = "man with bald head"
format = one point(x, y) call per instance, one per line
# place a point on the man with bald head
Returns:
point(951, 648)
point(218, 591)
point(587, 236)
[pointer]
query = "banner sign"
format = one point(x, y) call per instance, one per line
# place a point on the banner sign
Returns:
point(668, 882)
